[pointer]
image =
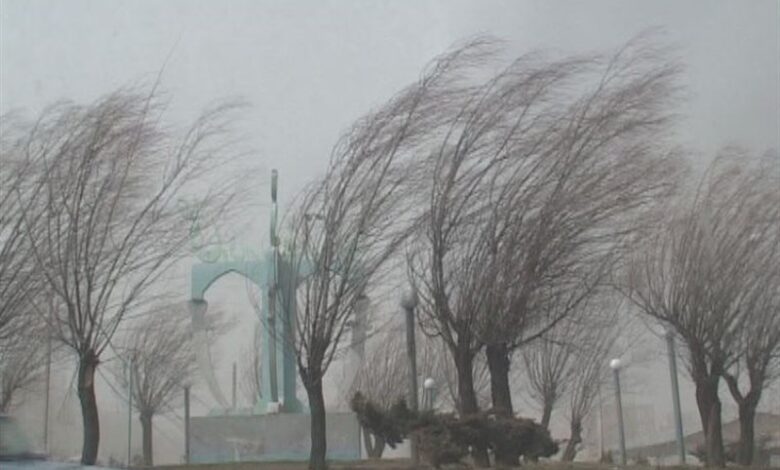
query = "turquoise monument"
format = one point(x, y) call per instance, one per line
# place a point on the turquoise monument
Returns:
point(271, 271)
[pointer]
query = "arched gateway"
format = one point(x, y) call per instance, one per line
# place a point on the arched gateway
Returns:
point(270, 272)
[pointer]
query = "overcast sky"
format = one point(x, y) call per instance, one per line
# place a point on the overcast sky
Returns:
point(309, 69)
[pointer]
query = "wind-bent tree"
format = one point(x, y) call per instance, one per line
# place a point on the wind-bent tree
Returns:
point(579, 200)
point(548, 366)
point(468, 172)
point(18, 276)
point(570, 361)
point(702, 276)
point(594, 349)
point(22, 361)
point(758, 364)
point(348, 226)
point(535, 188)
point(382, 379)
point(158, 353)
point(104, 218)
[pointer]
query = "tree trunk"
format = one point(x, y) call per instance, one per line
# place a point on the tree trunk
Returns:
point(546, 414)
point(88, 363)
point(746, 446)
point(498, 363)
point(467, 400)
point(318, 434)
point(501, 396)
point(146, 430)
point(574, 439)
point(709, 406)
point(375, 445)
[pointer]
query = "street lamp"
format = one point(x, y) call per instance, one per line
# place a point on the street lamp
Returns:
point(615, 365)
point(409, 301)
point(429, 393)
point(669, 335)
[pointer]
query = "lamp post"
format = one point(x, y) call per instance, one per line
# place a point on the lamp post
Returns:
point(615, 365)
point(669, 335)
point(186, 423)
point(429, 393)
point(130, 410)
point(409, 302)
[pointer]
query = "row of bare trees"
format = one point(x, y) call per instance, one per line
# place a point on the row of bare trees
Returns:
point(517, 202)
point(92, 218)
point(509, 199)
point(712, 276)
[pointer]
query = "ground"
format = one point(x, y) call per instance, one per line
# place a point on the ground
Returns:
point(390, 464)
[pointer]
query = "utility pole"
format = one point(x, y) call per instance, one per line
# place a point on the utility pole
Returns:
point(675, 395)
point(187, 424)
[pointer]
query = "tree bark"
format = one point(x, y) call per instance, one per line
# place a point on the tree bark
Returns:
point(319, 444)
point(747, 405)
point(467, 399)
point(498, 364)
point(500, 394)
point(146, 430)
point(375, 445)
point(574, 439)
point(546, 414)
point(709, 406)
point(746, 446)
point(88, 363)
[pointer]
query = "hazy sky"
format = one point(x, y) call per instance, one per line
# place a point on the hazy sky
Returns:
point(308, 69)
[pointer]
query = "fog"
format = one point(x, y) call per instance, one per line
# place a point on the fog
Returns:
point(307, 69)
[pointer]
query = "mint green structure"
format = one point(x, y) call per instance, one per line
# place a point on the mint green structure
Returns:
point(272, 273)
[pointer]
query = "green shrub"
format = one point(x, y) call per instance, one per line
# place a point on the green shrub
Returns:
point(447, 438)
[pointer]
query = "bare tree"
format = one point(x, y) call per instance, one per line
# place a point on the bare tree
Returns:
point(548, 366)
point(702, 274)
point(347, 227)
point(435, 361)
point(758, 364)
point(382, 378)
point(569, 221)
point(104, 219)
point(18, 278)
point(22, 362)
point(533, 190)
point(594, 348)
point(158, 353)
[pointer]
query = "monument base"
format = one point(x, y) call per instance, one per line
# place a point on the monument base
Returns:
point(270, 437)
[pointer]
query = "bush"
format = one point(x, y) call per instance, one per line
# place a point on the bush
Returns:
point(447, 438)
point(391, 425)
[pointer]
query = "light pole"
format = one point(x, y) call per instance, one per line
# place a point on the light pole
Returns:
point(409, 302)
point(130, 411)
point(615, 365)
point(675, 394)
point(429, 393)
point(186, 423)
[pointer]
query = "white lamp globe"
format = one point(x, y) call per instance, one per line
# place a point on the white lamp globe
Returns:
point(615, 364)
point(409, 299)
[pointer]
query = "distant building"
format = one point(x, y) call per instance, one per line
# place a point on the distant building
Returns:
point(767, 427)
